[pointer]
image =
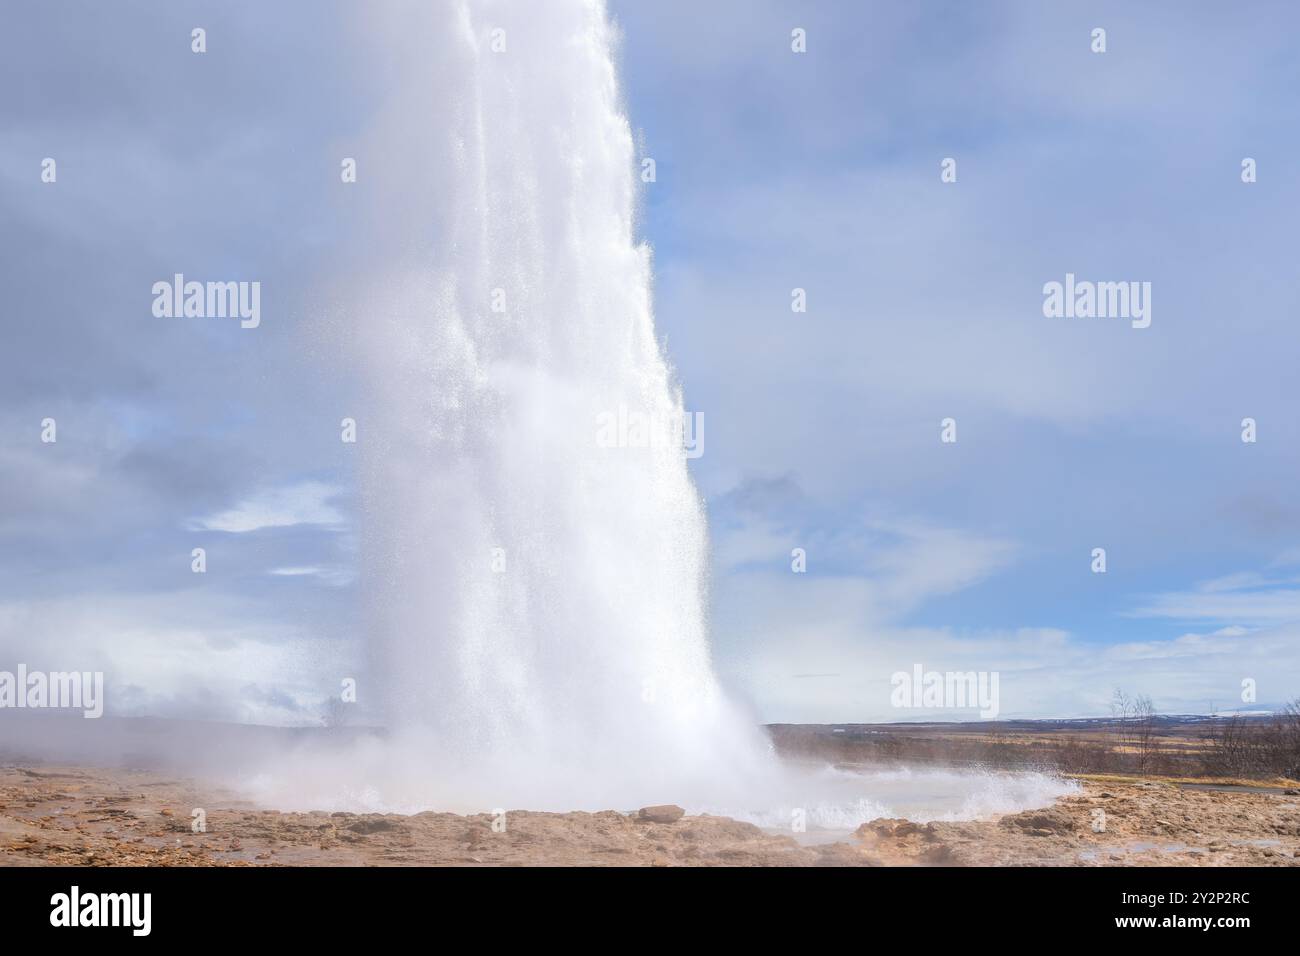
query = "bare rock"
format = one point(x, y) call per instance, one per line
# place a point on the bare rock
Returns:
point(372, 824)
point(888, 828)
point(1048, 822)
point(664, 813)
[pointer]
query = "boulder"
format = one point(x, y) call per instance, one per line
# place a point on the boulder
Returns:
point(1048, 822)
point(664, 813)
point(372, 824)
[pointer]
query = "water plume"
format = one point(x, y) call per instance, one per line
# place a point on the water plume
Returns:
point(536, 595)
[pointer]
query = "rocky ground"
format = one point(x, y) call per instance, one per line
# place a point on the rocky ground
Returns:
point(82, 816)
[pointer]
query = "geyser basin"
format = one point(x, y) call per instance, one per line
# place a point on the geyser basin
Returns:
point(357, 770)
point(825, 802)
point(779, 795)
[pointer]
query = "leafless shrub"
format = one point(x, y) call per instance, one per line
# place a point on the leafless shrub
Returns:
point(1239, 747)
point(1135, 723)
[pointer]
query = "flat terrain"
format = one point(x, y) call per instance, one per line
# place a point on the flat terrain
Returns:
point(1184, 747)
point(86, 816)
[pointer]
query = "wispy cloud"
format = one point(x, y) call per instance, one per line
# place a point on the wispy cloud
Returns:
point(332, 576)
point(1254, 598)
point(305, 503)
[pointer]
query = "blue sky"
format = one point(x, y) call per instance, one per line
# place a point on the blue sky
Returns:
point(774, 171)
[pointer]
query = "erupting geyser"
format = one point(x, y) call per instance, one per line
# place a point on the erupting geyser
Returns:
point(538, 597)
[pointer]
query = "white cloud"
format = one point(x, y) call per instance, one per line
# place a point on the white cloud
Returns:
point(332, 576)
point(305, 503)
point(1246, 597)
point(822, 646)
point(177, 655)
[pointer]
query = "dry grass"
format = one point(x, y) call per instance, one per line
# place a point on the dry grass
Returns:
point(1249, 751)
point(1129, 779)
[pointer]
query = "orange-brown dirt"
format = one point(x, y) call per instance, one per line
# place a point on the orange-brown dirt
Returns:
point(96, 817)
